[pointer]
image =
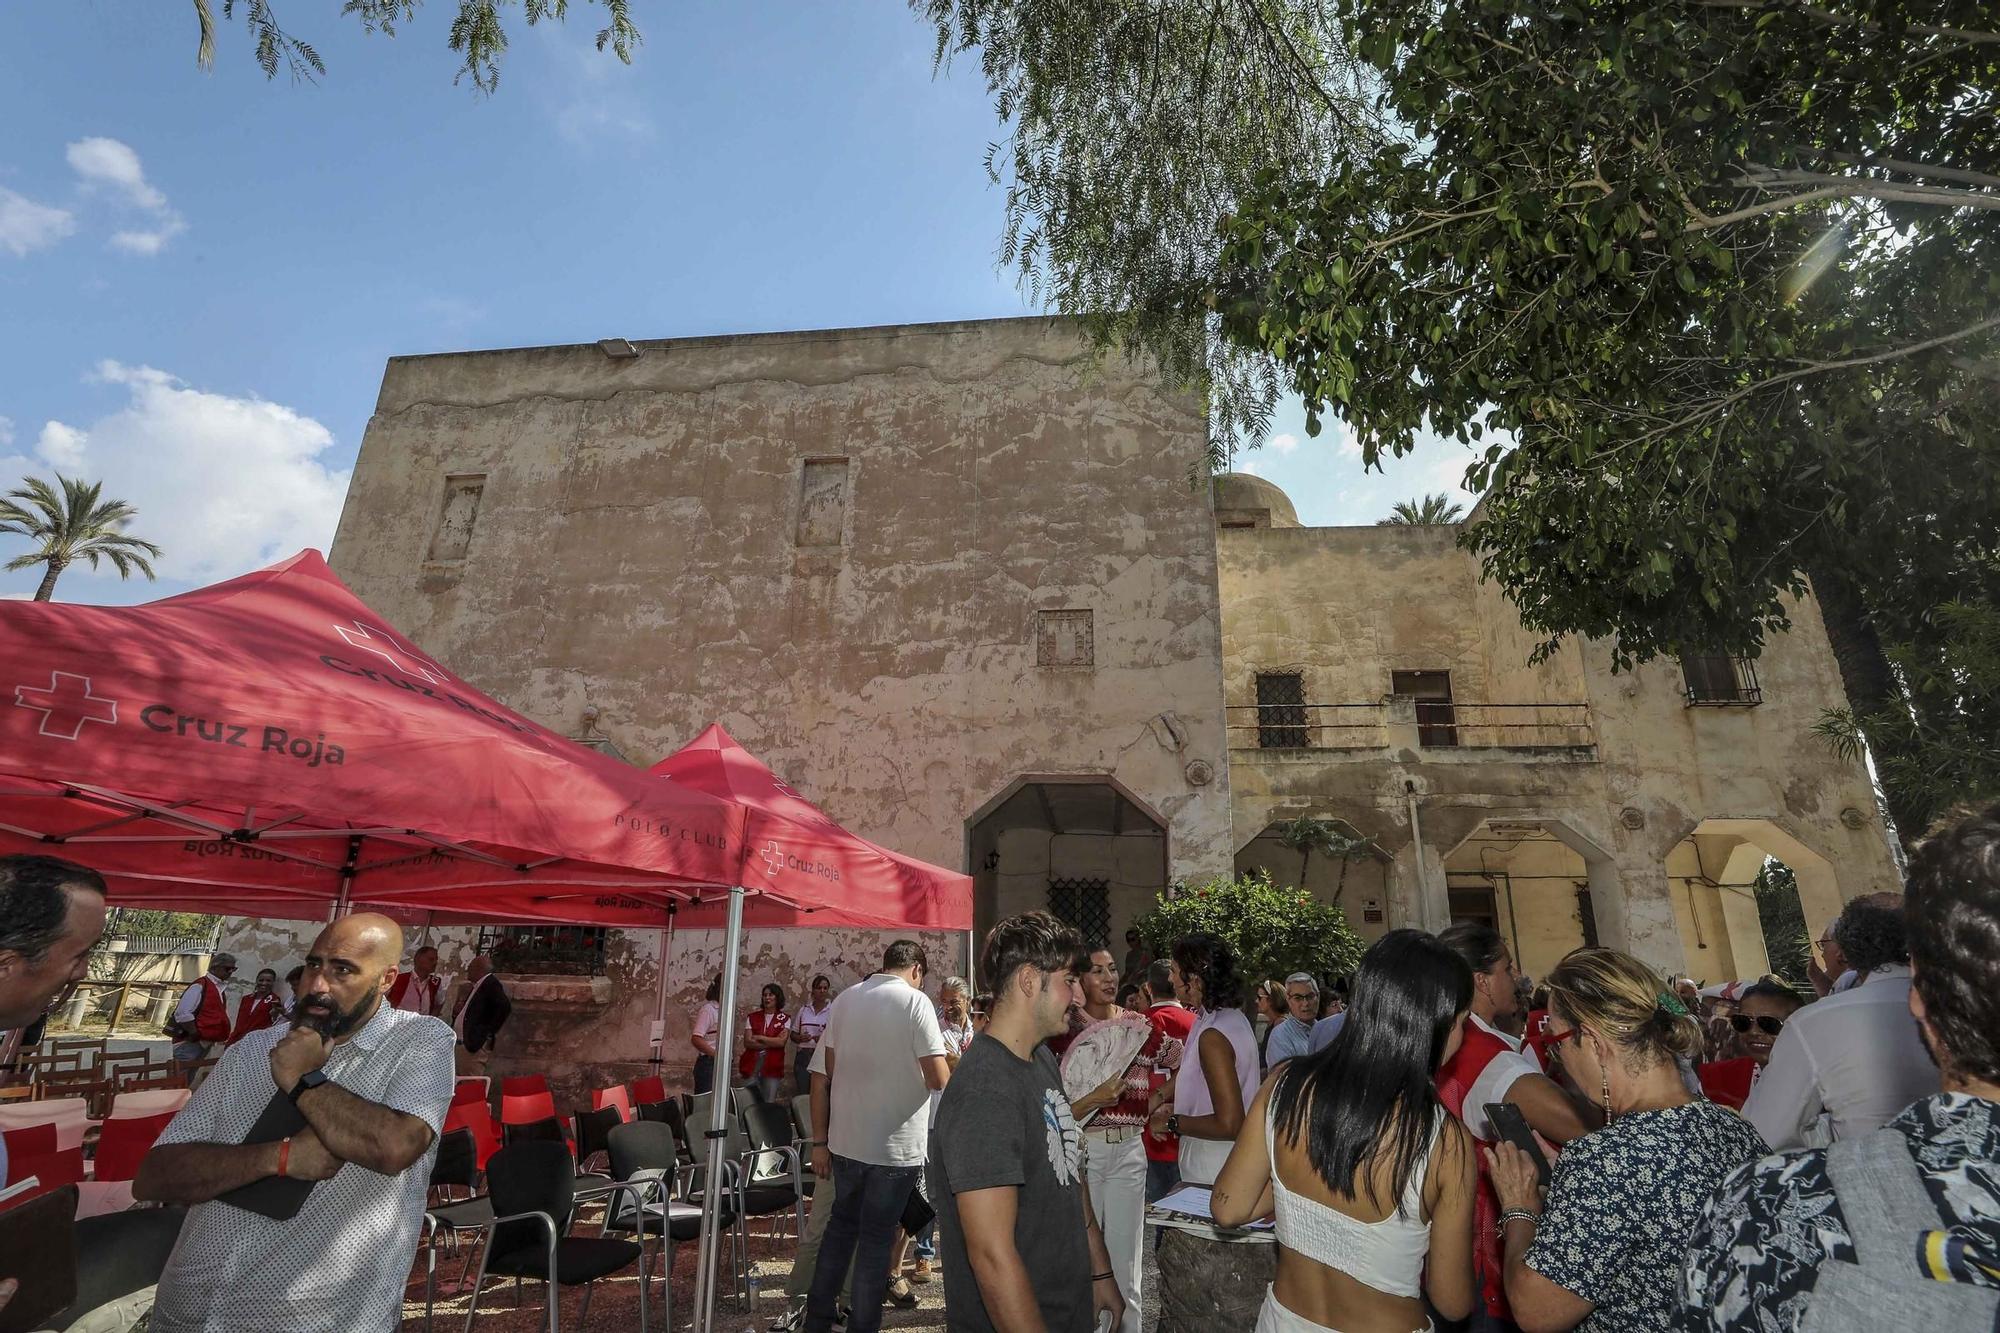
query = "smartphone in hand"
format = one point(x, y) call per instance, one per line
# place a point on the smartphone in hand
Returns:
point(1511, 1126)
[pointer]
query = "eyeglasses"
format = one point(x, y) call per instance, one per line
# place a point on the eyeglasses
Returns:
point(1765, 1024)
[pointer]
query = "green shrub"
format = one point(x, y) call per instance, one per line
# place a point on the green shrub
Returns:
point(1272, 930)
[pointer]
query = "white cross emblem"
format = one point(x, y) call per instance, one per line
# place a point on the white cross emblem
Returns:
point(774, 860)
point(391, 652)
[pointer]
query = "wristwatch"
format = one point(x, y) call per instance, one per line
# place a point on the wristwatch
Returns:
point(310, 1080)
point(1174, 1126)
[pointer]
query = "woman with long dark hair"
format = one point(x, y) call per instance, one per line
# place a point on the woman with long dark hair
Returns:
point(1367, 1173)
point(765, 1031)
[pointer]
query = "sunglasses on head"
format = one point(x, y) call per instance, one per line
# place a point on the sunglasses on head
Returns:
point(1767, 1025)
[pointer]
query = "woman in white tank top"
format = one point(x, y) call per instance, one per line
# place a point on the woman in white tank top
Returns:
point(1367, 1174)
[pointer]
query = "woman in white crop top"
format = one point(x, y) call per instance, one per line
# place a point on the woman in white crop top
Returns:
point(1367, 1174)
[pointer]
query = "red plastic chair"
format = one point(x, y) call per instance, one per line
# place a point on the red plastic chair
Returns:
point(33, 1152)
point(648, 1090)
point(123, 1144)
point(615, 1096)
point(526, 1108)
point(519, 1085)
point(469, 1090)
point(478, 1118)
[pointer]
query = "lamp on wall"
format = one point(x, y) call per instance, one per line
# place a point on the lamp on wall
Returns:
point(992, 861)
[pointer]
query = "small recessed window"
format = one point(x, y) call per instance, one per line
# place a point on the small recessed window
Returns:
point(1437, 719)
point(1718, 679)
point(1065, 638)
point(823, 502)
point(457, 512)
point(1281, 710)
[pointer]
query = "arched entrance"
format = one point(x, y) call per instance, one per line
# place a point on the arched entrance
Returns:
point(1714, 876)
point(1346, 871)
point(1080, 846)
point(1531, 880)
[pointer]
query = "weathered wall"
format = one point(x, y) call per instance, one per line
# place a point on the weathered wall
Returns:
point(1347, 606)
point(672, 540)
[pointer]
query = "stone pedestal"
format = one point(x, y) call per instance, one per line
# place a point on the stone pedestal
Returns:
point(1212, 1286)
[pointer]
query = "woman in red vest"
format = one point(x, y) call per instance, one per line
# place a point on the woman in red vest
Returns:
point(259, 1009)
point(1760, 1016)
point(763, 1055)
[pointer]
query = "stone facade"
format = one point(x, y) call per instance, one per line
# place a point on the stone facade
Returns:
point(956, 584)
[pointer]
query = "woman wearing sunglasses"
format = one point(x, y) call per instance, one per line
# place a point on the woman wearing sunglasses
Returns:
point(1761, 1014)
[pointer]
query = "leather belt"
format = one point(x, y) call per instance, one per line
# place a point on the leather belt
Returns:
point(1114, 1133)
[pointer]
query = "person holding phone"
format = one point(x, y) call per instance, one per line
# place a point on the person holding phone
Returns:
point(1372, 1181)
point(372, 1084)
point(1600, 1249)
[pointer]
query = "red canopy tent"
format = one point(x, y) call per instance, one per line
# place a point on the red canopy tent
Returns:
point(791, 849)
point(271, 746)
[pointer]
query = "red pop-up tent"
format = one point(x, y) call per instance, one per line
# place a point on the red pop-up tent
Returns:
point(793, 851)
point(271, 746)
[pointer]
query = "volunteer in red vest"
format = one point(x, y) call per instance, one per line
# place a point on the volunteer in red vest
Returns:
point(259, 1009)
point(1173, 1023)
point(419, 990)
point(1491, 1066)
point(202, 1017)
point(1761, 1015)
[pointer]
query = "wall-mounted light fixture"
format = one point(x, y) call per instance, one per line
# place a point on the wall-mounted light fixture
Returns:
point(618, 349)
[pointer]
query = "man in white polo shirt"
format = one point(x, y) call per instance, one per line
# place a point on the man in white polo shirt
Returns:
point(372, 1084)
point(883, 1058)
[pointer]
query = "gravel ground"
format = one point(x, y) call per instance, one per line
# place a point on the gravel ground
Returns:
point(615, 1305)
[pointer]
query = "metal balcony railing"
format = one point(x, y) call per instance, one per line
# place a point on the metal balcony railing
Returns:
point(1440, 725)
point(1307, 726)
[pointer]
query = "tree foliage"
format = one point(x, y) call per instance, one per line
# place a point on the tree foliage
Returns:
point(1130, 131)
point(1727, 274)
point(1424, 511)
point(1273, 930)
point(478, 34)
point(1783, 918)
point(70, 524)
point(1308, 834)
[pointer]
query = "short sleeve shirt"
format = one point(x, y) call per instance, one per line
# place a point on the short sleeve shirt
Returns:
point(1623, 1202)
point(1004, 1122)
point(880, 1106)
point(340, 1262)
point(707, 1019)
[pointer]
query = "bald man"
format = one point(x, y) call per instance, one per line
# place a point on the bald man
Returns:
point(372, 1084)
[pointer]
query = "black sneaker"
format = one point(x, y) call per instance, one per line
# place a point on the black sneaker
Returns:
point(900, 1295)
point(791, 1320)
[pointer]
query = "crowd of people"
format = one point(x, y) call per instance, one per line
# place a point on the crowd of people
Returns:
point(1435, 1142)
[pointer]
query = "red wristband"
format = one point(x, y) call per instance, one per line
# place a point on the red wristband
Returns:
point(284, 1155)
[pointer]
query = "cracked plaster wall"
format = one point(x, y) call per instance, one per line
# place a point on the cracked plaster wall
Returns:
point(635, 551)
point(1349, 605)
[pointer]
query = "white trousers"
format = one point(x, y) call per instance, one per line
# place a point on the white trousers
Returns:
point(1275, 1318)
point(1116, 1173)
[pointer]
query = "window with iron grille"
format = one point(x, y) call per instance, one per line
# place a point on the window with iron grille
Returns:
point(1586, 917)
point(1714, 678)
point(545, 950)
point(1281, 710)
point(1084, 904)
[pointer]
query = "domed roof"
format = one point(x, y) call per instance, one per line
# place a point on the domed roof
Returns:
point(1241, 496)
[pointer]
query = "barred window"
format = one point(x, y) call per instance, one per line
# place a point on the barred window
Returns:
point(1281, 710)
point(1084, 904)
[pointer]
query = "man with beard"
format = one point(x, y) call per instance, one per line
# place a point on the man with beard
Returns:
point(372, 1083)
point(1022, 1248)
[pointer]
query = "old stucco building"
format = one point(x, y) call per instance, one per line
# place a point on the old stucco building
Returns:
point(959, 588)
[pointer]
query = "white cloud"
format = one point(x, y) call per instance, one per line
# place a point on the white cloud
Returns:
point(6, 431)
point(111, 165)
point(225, 484)
point(1282, 444)
point(109, 162)
point(60, 446)
point(26, 226)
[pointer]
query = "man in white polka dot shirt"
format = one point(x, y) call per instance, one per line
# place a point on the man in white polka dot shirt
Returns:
point(373, 1083)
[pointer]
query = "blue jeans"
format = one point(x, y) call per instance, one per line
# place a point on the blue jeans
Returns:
point(868, 1204)
point(1161, 1177)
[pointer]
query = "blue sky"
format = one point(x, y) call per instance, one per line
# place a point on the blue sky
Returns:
point(201, 274)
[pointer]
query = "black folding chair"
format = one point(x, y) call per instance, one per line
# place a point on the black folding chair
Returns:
point(772, 1183)
point(643, 1151)
point(591, 1128)
point(533, 1189)
point(456, 1167)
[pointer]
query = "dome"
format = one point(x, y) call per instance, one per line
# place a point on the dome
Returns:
point(1245, 501)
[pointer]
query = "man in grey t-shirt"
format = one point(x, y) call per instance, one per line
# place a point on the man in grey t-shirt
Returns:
point(1019, 1240)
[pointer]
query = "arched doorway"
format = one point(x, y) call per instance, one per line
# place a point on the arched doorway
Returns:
point(1740, 888)
point(1082, 847)
point(1348, 871)
point(1531, 880)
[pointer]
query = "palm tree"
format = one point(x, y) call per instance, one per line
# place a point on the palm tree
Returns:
point(75, 525)
point(1427, 511)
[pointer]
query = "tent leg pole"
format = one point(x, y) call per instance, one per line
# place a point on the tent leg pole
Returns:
point(660, 1009)
point(718, 1120)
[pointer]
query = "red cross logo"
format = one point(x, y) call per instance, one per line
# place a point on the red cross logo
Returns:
point(66, 704)
point(391, 652)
